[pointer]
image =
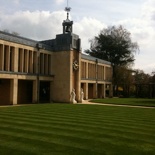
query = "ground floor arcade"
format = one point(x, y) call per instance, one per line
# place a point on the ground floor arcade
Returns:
point(94, 89)
point(21, 89)
point(25, 89)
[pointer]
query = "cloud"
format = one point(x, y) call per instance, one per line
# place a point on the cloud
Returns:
point(142, 31)
point(87, 28)
point(41, 25)
point(59, 1)
point(37, 25)
point(16, 1)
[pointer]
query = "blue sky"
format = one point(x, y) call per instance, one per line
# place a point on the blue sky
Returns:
point(42, 19)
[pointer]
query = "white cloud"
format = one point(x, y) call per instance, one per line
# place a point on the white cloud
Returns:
point(37, 25)
point(59, 1)
point(87, 28)
point(40, 25)
point(16, 1)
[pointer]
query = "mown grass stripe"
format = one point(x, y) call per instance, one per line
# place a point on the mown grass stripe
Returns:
point(83, 129)
point(71, 141)
point(76, 127)
point(80, 132)
point(104, 125)
point(64, 140)
point(82, 119)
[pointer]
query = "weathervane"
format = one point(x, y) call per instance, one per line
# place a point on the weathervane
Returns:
point(67, 24)
point(67, 9)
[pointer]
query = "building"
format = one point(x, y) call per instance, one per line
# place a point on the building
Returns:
point(47, 71)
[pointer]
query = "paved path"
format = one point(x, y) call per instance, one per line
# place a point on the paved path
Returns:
point(91, 103)
point(116, 105)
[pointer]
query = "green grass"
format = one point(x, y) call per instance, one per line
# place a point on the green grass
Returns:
point(65, 129)
point(127, 101)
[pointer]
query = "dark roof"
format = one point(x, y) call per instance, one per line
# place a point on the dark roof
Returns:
point(21, 40)
point(47, 45)
point(88, 57)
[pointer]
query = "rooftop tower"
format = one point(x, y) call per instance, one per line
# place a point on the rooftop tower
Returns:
point(67, 24)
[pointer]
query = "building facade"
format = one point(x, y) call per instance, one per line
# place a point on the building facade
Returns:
point(47, 71)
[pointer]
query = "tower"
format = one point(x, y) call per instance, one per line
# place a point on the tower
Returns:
point(67, 53)
point(67, 24)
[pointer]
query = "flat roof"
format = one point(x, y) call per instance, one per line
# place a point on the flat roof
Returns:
point(88, 57)
point(22, 40)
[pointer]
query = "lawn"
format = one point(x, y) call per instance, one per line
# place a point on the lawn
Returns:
point(127, 101)
point(66, 129)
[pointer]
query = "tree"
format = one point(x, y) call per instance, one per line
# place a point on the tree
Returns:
point(114, 44)
point(124, 81)
point(142, 83)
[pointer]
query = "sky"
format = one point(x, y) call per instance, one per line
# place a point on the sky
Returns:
point(42, 19)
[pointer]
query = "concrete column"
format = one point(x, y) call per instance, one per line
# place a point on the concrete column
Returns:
point(49, 65)
point(35, 92)
point(30, 65)
point(7, 58)
point(1, 57)
point(16, 54)
point(21, 60)
point(85, 91)
point(94, 90)
point(36, 62)
point(51, 85)
point(86, 70)
point(12, 58)
point(104, 74)
point(14, 91)
point(110, 90)
point(42, 63)
point(78, 77)
point(26, 62)
point(46, 64)
point(103, 90)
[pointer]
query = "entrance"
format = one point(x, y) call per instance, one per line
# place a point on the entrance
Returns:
point(90, 91)
point(5, 91)
point(25, 91)
point(99, 91)
point(44, 93)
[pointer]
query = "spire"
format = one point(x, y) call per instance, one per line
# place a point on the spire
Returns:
point(67, 24)
point(67, 9)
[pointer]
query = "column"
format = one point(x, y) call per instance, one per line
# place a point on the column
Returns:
point(26, 60)
point(30, 66)
point(46, 64)
point(7, 58)
point(104, 74)
point(103, 90)
point(12, 58)
point(87, 70)
point(1, 57)
point(49, 65)
point(21, 60)
point(95, 90)
point(51, 85)
point(110, 90)
point(14, 91)
point(42, 63)
point(16, 59)
point(85, 91)
point(35, 92)
point(35, 62)
point(78, 77)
